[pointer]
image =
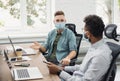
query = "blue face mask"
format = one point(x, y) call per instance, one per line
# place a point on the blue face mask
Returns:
point(60, 25)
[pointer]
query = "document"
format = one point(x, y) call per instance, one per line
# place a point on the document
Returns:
point(25, 51)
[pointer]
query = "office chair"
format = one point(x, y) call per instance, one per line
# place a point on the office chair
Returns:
point(72, 27)
point(110, 32)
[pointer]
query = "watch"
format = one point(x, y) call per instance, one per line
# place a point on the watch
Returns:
point(58, 73)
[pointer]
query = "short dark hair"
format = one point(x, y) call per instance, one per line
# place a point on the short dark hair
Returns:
point(95, 25)
point(59, 13)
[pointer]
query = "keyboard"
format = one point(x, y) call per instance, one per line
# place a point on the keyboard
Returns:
point(23, 73)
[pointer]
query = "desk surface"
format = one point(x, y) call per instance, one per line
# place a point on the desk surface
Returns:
point(36, 60)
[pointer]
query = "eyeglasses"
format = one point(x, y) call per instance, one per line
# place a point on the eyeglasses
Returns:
point(58, 20)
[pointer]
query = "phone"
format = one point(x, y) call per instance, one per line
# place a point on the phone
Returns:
point(13, 59)
point(45, 62)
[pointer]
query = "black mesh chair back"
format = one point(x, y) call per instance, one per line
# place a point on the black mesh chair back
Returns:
point(72, 27)
point(111, 72)
point(110, 32)
point(78, 42)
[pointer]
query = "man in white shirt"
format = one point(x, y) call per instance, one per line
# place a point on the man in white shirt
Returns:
point(97, 60)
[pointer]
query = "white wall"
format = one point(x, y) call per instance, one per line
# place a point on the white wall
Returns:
point(76, 10)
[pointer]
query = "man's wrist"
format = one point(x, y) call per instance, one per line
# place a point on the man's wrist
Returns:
point(68, 59)
point(58, 73)
point(40, 50)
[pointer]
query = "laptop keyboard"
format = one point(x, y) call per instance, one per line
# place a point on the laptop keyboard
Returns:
point(23, 73)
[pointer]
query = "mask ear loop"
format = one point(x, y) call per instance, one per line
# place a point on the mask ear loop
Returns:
point(85, 35)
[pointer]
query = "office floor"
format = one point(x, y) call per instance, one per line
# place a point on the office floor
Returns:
point(117, 78)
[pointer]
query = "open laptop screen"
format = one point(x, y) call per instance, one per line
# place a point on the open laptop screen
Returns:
point(12, 45)
point(27, 51)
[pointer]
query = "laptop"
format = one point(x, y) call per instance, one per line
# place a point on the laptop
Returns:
point(15, 59)
point(25, 51)
point(24, 73)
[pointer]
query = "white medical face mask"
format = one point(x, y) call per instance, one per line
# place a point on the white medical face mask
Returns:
point(60, 25)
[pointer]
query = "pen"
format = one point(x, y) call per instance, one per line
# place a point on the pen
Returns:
point(45, 62)
point(23, 64)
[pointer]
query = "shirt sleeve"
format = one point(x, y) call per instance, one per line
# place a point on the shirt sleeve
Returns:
point(46, 43)
point(96, 69)
point(72, 42)
point(72, 68)
point(64, 75)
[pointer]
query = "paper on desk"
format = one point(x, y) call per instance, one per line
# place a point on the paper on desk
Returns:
point(10, 48)
point(26, 51)
point(26, 58)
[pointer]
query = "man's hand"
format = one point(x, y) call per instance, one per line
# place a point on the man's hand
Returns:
point(53, 69)
point(35, 46)
point(65, 61)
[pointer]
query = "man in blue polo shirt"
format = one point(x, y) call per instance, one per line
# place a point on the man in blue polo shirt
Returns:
point(61, 42)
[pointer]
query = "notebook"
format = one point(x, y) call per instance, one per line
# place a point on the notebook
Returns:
point(26, 73)
point(25, 51)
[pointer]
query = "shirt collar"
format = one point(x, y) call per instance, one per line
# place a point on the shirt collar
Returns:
point(97, 44)
point(62, 31)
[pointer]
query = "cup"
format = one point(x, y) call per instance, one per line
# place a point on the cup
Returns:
point(19, 53)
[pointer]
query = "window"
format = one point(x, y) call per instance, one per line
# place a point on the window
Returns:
point(19, 18)
point(116, 14)
point(103, 9)
point(109, 10)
